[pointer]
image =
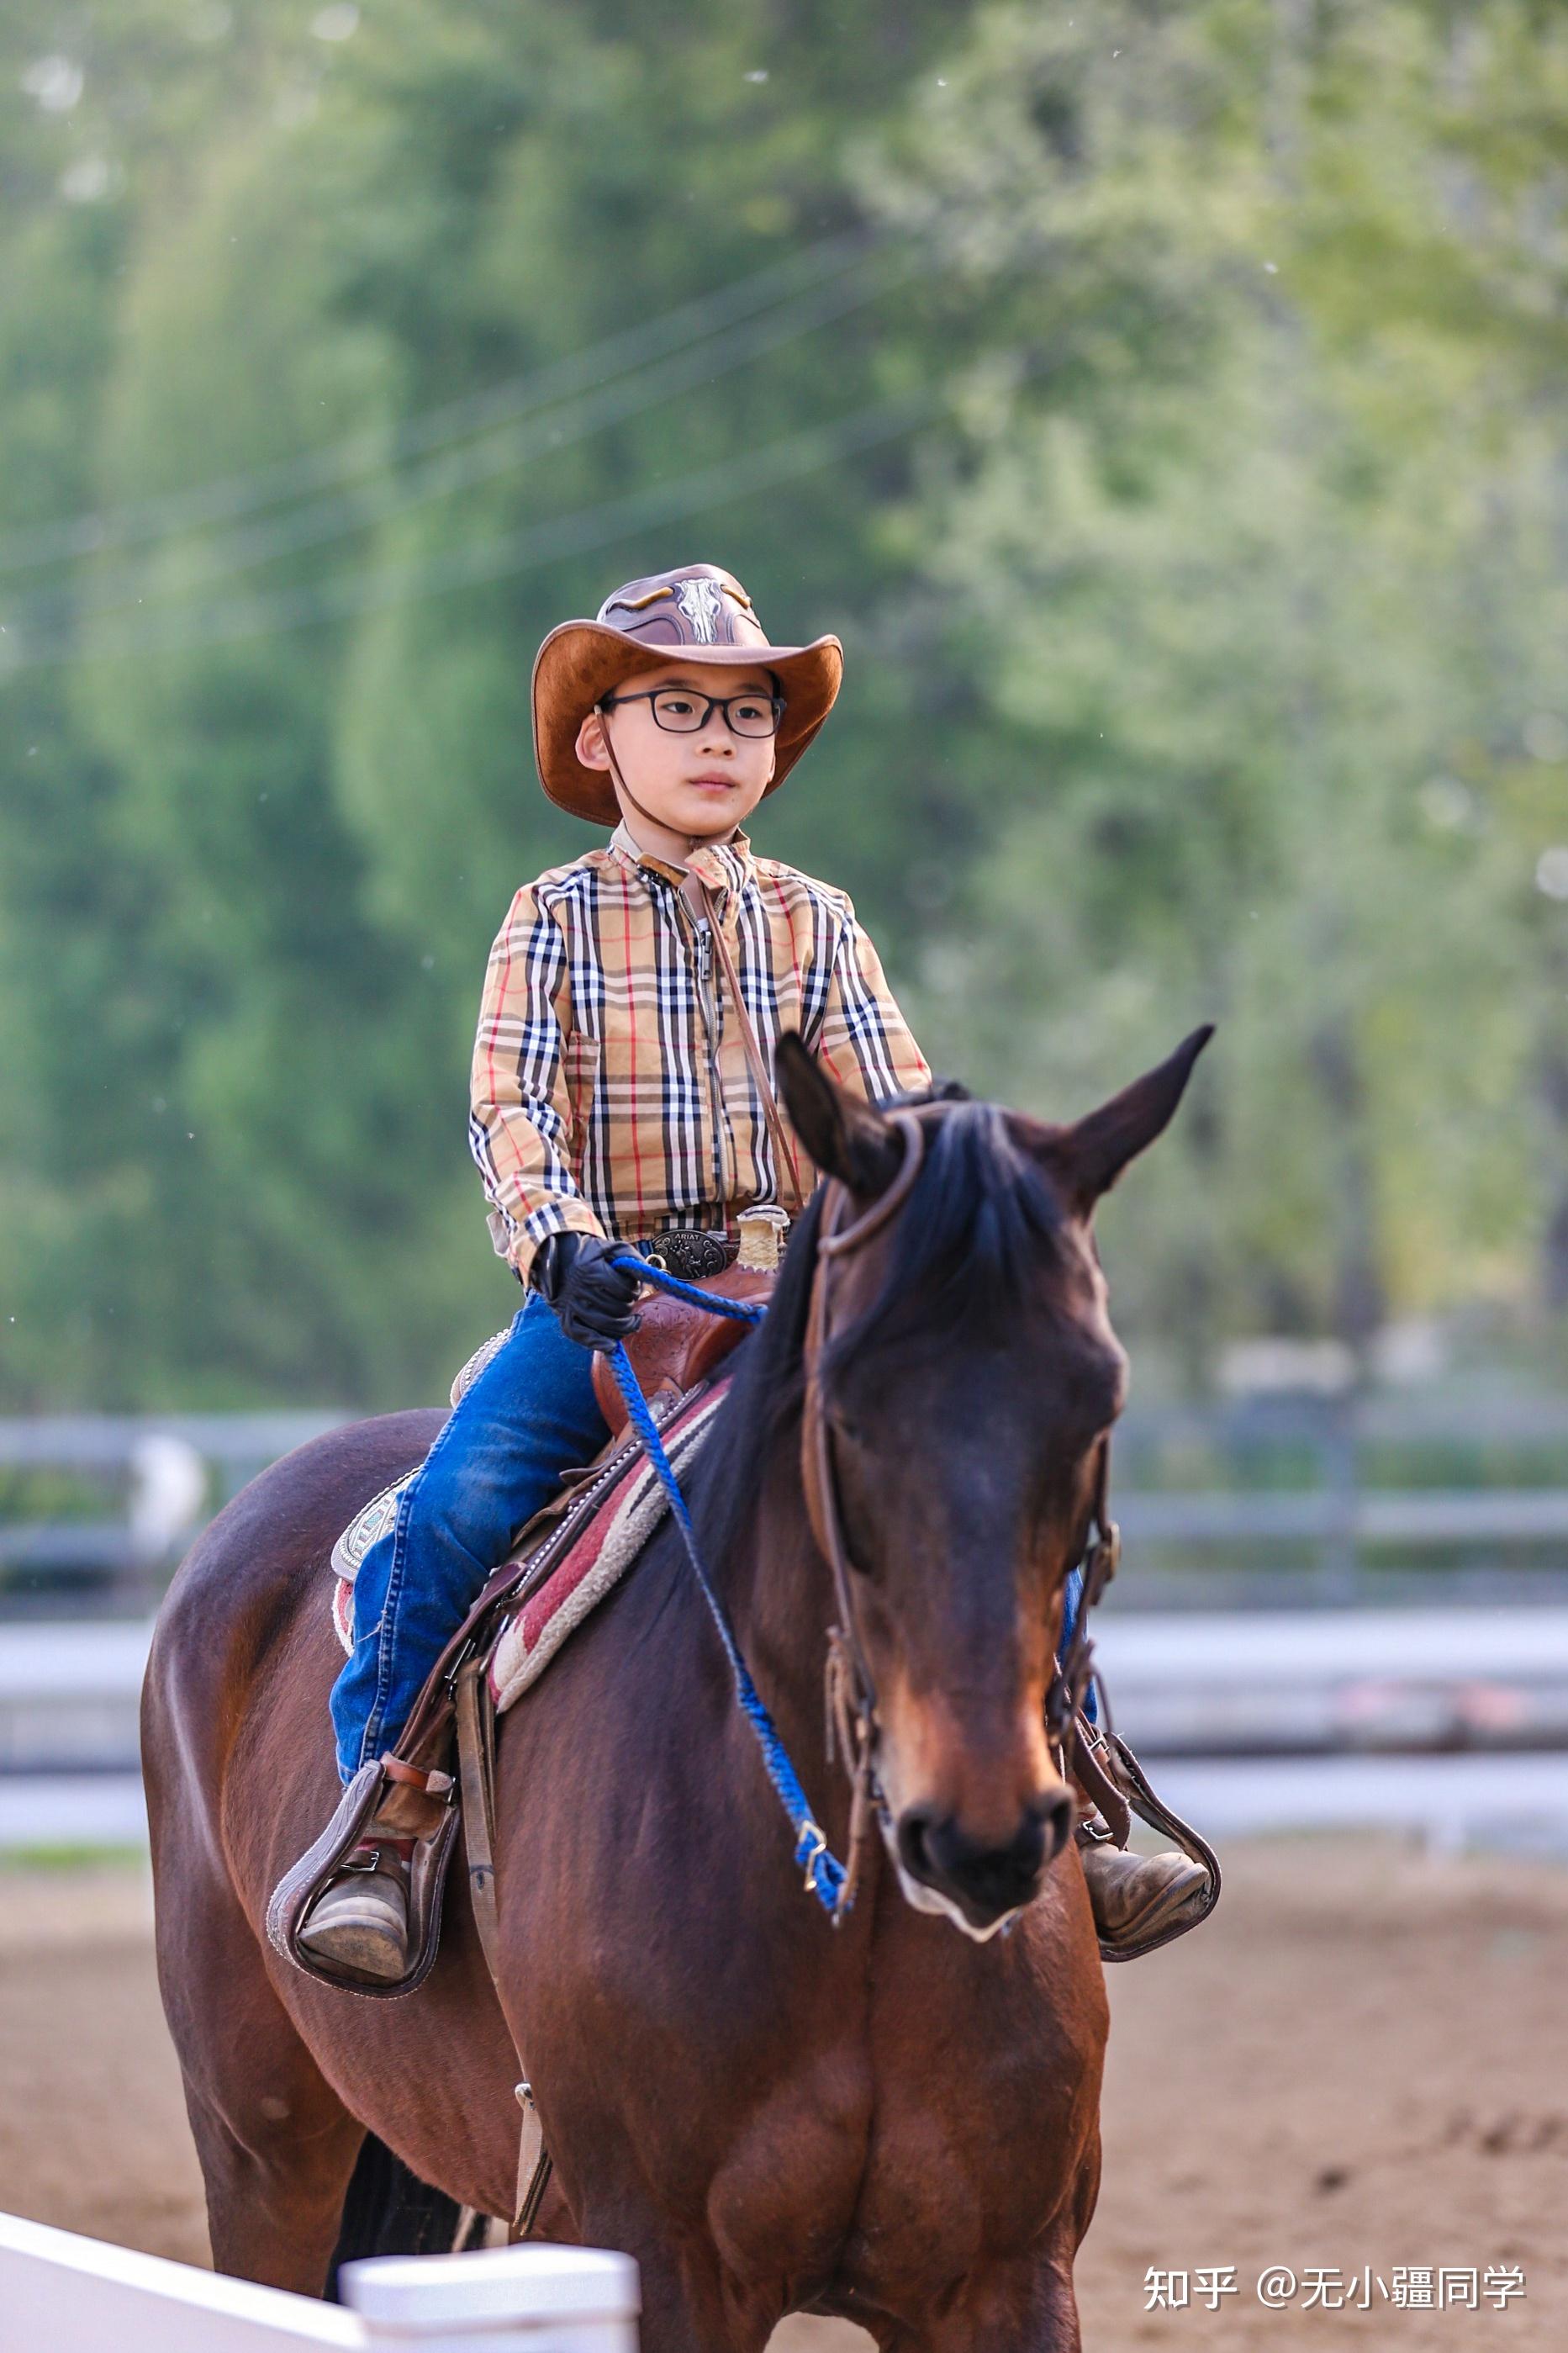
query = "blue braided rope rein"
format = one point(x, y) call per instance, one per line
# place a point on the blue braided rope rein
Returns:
point(825, 1876)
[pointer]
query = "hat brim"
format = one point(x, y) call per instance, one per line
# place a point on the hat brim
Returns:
point(581, 660)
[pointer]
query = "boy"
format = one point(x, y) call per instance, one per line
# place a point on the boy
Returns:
point(612, 1102)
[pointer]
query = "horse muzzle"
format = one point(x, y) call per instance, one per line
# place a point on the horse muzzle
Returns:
point(980, 1885)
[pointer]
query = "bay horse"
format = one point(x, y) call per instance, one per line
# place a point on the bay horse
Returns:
point(891, 2120)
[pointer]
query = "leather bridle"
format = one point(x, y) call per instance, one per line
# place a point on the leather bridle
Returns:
point(836, 1241)
point(1099, 1558)
point(852, 1723)
point(851, 1694)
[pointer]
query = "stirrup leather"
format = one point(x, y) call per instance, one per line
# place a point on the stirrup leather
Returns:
point(1104, 1765)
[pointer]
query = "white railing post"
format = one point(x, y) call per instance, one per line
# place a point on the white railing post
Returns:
point(502, 2300)
point(63, 2294)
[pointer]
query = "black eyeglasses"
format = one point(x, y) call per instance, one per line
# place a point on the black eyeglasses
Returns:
point(681, 711)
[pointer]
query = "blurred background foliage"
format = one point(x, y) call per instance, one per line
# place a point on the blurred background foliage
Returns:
point(1164, 402)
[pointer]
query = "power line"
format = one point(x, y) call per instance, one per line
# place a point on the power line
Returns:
point(452, 471)
point(798, 454)
point(229, 499)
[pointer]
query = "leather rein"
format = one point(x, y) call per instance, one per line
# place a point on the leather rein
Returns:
point(851, 1691)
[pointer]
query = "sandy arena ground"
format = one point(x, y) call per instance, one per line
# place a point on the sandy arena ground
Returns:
point(1362, 2059)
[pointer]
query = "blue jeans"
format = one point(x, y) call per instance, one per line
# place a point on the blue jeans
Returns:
point(530, 1415)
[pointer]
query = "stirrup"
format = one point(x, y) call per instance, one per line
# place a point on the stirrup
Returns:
point(297, 1889)
point(1112, 1760)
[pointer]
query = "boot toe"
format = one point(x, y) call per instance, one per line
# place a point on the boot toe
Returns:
point(1134, 1896)
point(363, 1928)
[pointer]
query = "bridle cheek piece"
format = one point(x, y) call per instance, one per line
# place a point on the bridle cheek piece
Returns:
point(851, 1692)
point(1069, 1683)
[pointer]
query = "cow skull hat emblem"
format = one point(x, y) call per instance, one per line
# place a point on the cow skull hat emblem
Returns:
point(700, 602)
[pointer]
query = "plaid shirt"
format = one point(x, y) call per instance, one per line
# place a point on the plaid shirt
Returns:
point(611, 1094)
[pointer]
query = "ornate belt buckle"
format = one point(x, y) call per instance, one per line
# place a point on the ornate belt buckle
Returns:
point(688, 1253)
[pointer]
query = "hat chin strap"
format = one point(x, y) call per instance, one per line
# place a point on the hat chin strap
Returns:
point(693, 841)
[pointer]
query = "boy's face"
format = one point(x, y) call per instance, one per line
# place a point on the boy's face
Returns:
point(702, 784)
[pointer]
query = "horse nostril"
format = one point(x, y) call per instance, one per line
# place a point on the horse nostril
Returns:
point(1055, 1815)
point(1030, 1850)
point(915, 1825)
point(935, 1848)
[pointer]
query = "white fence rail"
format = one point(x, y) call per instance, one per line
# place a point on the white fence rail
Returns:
point(1433, 1717)
point(61, 2294)
point(1220, 1683)
point(1518, 1803)
point(159, 1475)
point(70, 1695)
point(1209, 1680)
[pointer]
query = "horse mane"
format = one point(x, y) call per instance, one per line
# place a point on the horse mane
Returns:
point(979, 1209)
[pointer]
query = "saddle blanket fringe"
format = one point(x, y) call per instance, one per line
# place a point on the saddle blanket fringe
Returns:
point(611, 1538)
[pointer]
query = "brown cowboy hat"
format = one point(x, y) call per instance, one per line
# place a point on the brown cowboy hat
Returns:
point(698, 608)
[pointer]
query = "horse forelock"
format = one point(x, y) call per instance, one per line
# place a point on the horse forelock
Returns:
point(980, 1214)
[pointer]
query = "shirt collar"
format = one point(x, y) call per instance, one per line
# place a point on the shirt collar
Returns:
point(725, 867)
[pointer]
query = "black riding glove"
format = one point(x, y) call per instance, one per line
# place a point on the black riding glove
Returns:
point(594, 1302)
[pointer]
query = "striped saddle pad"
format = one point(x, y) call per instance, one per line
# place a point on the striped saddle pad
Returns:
point(562, 1576)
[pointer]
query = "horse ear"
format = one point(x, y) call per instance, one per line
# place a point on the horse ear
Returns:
point(846, 1136)
point(1087, 1158)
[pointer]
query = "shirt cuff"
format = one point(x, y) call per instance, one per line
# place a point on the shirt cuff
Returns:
point(563, 1215)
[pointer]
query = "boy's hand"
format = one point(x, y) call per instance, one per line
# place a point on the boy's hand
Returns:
point(594, 1302)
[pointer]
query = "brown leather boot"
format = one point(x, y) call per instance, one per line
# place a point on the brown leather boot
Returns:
point(359, 1919)
point(1133, 1896)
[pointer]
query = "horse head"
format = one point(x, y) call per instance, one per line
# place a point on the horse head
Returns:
point(964, 1380)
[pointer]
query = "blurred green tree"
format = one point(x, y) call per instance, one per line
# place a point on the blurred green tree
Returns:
point(318, 770)
point(1264, 570)
point(1162, 401)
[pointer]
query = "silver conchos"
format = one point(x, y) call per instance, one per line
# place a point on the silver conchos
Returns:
point(374, 1519)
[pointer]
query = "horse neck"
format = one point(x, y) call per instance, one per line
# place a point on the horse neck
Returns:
point(778, 1591)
